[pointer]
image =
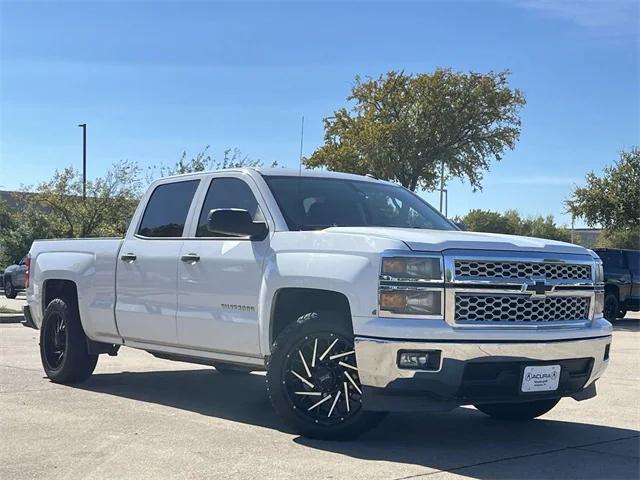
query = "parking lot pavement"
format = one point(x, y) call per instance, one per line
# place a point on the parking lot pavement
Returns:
point(140, 417)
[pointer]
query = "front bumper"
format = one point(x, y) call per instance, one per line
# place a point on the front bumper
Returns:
point(474, 372)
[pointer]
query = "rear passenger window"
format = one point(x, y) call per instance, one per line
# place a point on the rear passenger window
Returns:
point(167, 210)
point(227, 193)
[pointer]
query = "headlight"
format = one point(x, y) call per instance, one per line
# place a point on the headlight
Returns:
point(599, 278)
point(412, 268)
point(598, 306)
point(411, 287)
point(411, 302)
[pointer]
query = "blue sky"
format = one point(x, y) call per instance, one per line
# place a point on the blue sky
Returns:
point(152, 79)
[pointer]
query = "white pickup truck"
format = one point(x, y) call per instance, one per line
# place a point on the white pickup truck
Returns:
point(355, 296)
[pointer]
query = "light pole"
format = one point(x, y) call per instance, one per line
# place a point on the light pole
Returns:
point(442, 189)
point(84, 160)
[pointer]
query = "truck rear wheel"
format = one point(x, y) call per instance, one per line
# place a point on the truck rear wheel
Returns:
point(518, 411)
point(312, 379)
point(63, 344)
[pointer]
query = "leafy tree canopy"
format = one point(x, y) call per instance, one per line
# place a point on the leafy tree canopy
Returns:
point(202, 161)
point(613, 199)
point(111, 200)
point(403, 127)
point(511, 222)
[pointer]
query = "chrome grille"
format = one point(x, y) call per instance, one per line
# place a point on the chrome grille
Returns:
point(519, 308)
point(514, 269)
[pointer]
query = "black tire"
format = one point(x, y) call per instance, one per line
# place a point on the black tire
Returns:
point(9, 290)
point(518, 411)
point(63, 344)
point(611, 306)
point(290, 396)
point(228, 369)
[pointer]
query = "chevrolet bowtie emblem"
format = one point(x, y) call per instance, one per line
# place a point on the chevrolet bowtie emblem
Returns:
point(539, 287)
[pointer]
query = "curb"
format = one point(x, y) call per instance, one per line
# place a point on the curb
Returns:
point(11, 318)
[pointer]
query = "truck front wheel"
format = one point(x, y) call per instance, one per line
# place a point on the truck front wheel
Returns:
point(312, 378)
point(611, 306)
point(518, 411)
point(63, 344)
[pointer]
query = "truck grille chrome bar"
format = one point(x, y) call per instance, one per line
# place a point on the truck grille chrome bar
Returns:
point(519, 289)
point(519, 308)
point(515, 269)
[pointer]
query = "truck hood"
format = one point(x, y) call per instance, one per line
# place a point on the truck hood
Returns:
point(439, 240)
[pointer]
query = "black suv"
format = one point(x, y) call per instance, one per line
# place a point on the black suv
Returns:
point(622, 281)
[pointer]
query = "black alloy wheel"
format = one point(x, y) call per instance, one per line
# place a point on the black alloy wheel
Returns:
point(321, 379)
point(9, 290)
point(611, 307)
point(55, 341)
point(313, 380)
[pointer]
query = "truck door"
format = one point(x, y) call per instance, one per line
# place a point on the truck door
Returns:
point(219, 277)
point(147, 266)
point(633, 262)
point(616, 272)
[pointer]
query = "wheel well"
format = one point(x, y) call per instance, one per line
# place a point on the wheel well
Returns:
point(291, 303)
point(55, 288)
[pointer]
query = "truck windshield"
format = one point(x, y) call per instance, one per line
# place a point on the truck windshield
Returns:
point(311, 203)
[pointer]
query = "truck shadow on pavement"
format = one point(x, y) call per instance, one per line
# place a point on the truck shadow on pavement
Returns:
point(463, 441)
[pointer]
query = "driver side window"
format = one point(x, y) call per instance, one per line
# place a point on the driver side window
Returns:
point(227, 192)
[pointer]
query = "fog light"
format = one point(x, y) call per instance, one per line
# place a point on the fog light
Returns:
point(419, 359)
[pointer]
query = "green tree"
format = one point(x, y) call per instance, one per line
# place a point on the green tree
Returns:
point(202, 161)
point(486, 221)
point(405, 127)
point(25, 224)
point(612, 201)
point(107, 209)
point(512, 223)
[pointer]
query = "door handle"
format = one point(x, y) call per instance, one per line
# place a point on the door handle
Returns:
point(190, 258)
point(128, 257)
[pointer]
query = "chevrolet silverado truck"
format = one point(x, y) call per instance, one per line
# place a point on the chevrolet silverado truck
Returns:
point(354, 294)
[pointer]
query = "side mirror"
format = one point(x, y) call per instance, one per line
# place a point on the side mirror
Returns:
point(461, 225)
point(235, 222)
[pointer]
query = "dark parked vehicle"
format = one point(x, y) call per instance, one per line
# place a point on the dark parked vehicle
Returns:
point(14, 278)
point(622, 281)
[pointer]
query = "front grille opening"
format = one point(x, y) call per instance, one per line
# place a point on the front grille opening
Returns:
point(519, 308)
point(513, 269)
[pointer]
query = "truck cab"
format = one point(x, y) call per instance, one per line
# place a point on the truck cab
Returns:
point(354, 294)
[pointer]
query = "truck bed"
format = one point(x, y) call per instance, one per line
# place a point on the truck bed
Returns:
point(88, 262)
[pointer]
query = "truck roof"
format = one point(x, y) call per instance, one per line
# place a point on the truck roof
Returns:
point(287, 172)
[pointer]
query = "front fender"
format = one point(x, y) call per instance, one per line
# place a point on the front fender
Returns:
point(355, 275)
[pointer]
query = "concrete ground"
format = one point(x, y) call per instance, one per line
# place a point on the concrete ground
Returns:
point(140, 417)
